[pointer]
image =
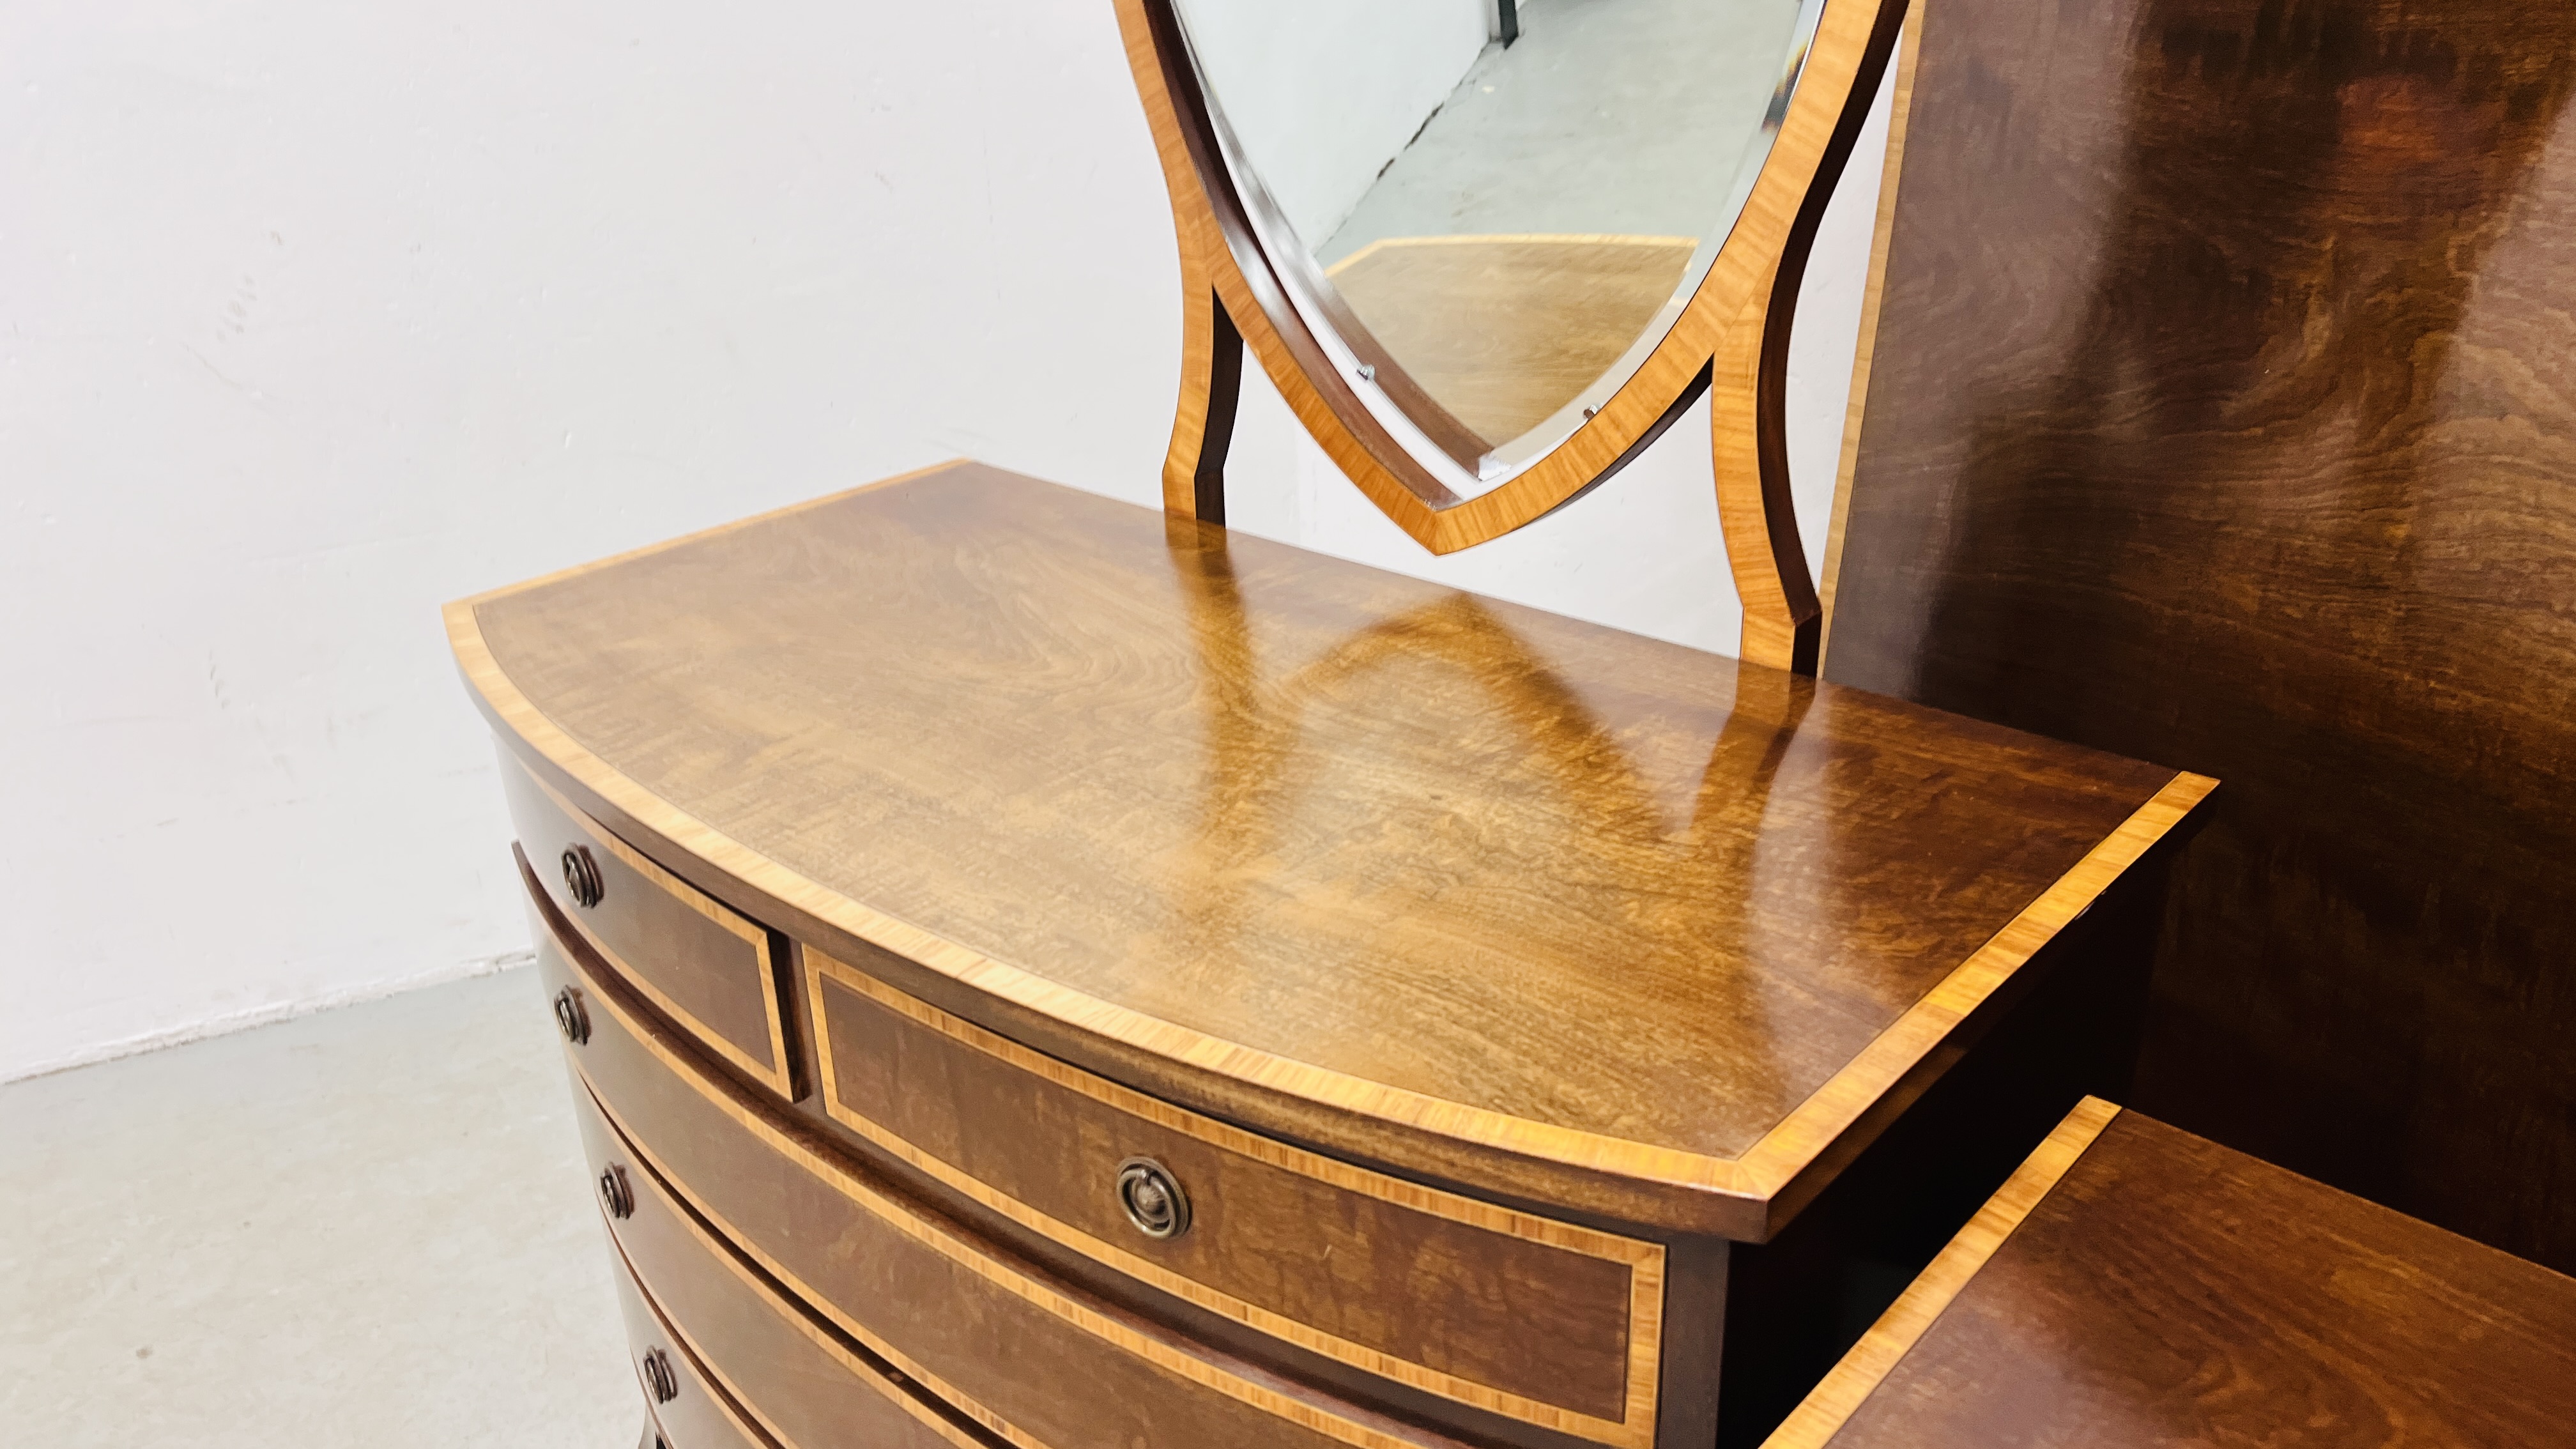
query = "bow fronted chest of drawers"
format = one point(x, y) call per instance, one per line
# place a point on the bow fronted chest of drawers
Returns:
point(1039, 973)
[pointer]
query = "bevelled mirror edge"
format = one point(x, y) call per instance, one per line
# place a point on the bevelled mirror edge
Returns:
point(1731, 331)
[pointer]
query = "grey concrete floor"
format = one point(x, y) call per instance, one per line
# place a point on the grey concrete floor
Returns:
point(366, 1227)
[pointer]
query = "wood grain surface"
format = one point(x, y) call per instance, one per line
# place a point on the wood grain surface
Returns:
point(2166, 1290)
point(1540, 1321)
point(1843, 1391)
point(1782, 618)
point(701, 964)
point(1030, 1356)
point(702, 1415)
point(786, 1372)
point(1439, 863)
point(2223, 412)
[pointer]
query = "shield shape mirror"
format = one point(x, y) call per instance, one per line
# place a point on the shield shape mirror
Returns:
point(1489, 213)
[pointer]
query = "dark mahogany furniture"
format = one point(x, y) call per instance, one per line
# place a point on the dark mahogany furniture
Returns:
point(2223, 411)
point(1040, 972)
point(2135, 1286)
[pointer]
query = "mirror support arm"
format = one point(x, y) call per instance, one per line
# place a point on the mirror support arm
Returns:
point(1782, 618)
point(1748, 408)
point(1211, 386)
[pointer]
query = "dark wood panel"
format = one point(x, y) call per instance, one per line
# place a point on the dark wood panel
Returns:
point(2167, 1290)
point(807, 1391)
point(1447, 867)
point(1025, 1353)
point(1795, 1304)
point(699, 1415)
point(1344, 1262)
point(2222, 413)
point(702, 963)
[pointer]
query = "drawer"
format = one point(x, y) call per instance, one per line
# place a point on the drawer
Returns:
point(702, 964)
point(807, 1390)
point(1542, 1321)
point(1025, 1354)
point(695, 1415)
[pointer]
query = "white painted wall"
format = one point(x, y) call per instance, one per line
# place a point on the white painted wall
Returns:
point(313, 316)
point(1323, 93)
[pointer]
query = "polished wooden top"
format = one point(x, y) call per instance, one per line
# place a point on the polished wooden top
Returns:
point(1442, 865)
point(2135, 1285)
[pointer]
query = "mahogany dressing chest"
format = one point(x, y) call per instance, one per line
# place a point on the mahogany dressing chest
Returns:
point(1043, 971)
point(1039, 972)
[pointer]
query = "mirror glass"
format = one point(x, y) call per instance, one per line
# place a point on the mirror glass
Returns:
point(1489, 213)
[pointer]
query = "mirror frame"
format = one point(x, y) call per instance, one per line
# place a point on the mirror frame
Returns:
point(1731, 339)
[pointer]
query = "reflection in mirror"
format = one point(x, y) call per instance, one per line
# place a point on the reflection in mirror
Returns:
point(1488, 238)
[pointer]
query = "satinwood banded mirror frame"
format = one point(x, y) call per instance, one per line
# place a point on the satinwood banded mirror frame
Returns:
point(1730, 339)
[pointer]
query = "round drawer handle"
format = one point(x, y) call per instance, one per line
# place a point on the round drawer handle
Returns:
point(1153, 1198)
point(581, 876)
point(659, 1377)
point(571, 1016)
point(613, 1191)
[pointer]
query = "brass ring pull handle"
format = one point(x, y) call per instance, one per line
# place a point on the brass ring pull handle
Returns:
point(1152, 1198)
point(572, 1017)
point(659, 1377)
point(581, 876)
point(615, 1193)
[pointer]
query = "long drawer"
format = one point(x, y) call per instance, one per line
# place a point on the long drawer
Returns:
point(1543, 1321)
point(701, 963)
point(806, 1390)
point(688, 1410)
point(1028, 1356)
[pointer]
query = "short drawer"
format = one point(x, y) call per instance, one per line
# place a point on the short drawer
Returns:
point(1542, 1321)
point(807, 1390)
point(687, 1409)
point(702, 964)
point(1008, 1345)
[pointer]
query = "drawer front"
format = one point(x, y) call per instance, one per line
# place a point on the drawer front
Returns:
point(1542, 1321)
point(807, 1390)
point(1020, 1352)
point(702, 964)
point(695, 1415)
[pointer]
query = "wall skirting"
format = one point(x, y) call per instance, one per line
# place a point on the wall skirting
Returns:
point(270, 1014)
